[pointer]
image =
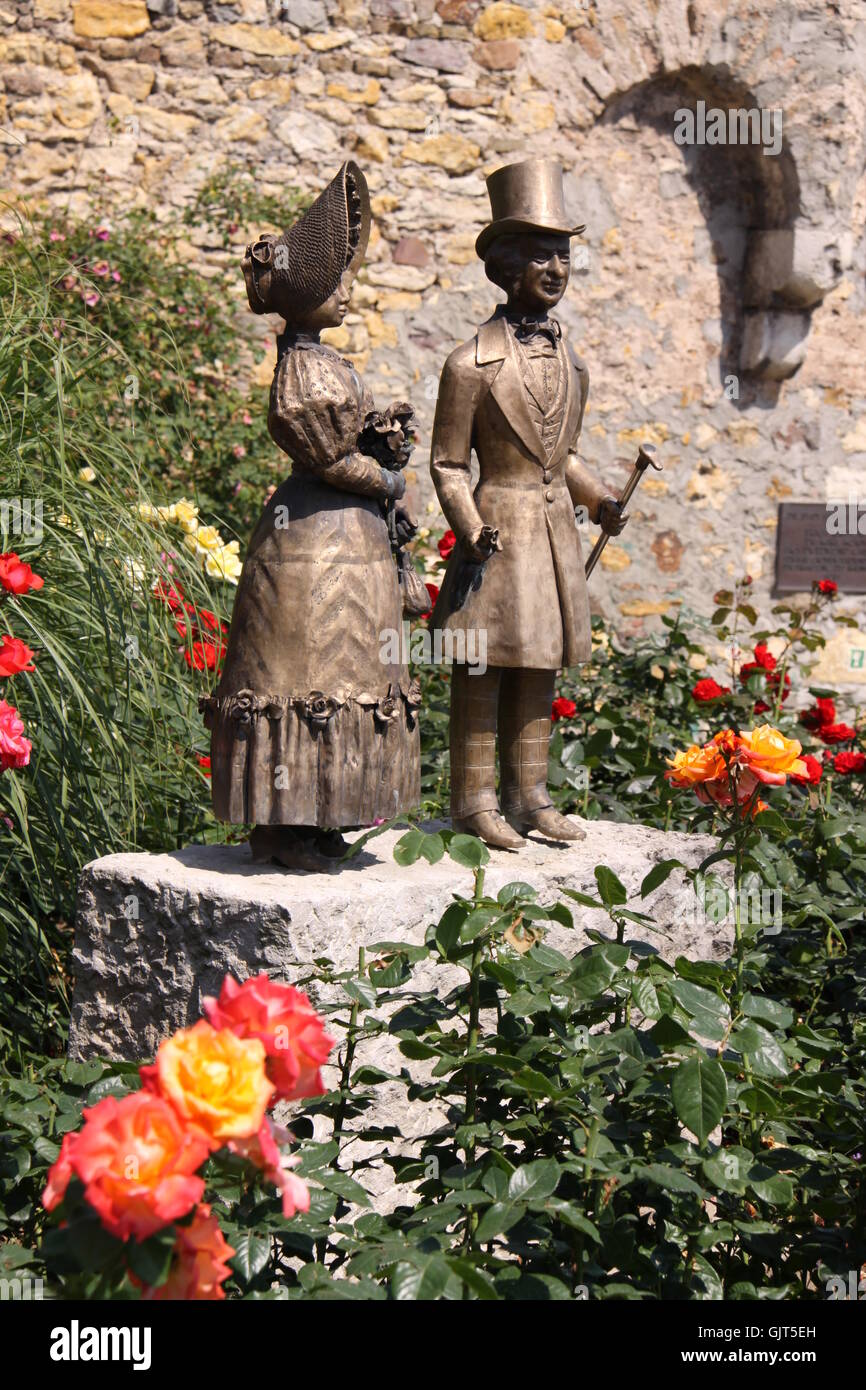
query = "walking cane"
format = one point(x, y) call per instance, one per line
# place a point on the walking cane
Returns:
point(646, 458)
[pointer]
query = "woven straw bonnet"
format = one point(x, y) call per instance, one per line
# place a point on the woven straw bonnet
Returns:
point(296, 272)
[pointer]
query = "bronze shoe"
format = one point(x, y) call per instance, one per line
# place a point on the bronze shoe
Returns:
point(288, 847)
point(548, 822)
point(492, 828)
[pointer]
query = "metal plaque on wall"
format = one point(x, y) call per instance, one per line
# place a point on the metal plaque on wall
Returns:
point(820, 540)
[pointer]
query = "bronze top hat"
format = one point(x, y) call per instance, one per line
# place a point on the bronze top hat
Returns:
point(526, 197)
point(299, 270)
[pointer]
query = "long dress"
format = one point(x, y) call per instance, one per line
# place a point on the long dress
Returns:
point(314, 722)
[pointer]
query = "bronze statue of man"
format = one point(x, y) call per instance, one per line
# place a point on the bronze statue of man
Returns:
point(516, 394)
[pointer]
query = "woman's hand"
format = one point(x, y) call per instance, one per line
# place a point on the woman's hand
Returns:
point(405, 524)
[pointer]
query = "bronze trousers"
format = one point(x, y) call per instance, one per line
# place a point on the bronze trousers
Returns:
point(516, 703)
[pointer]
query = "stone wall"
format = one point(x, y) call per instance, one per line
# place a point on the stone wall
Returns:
point(720, 306)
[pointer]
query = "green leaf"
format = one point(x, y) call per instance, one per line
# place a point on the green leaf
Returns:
point(449, 926)
point(408, 848)
point(532, 1182)
point(763, 1052)
point(645, 996)
point(468, 851)
point(150, 1260)
point(664, 1176)
point(612, 891)
point(700, 1092)
point(499, 1218)
point(770, 1010)
point(252, 1252)
point(420, 1282)
point(335, 1180)
point(657, 875)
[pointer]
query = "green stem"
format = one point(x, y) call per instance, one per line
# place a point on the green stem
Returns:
point(348, 1059)
point(470, 1110)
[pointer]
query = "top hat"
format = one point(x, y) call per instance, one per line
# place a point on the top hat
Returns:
point(526, 197)
point(299, 270)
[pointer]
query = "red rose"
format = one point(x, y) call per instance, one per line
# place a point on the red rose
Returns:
point(828, 586)
point(171, 596)
point(563, 709)
point(204, 764)
point(847, 761)
point(16, 576)
point(822, 712)
point(204, 656)
point(447, 544)
point(813, 770)
point(433, 591)
point(15, 656)
point(836, 733)
point(709, 689)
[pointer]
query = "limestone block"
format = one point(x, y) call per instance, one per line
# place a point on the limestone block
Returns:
point(452, 152)
point(100, 19)
point(444, 55)
point(774, 344)
point(254, 38)
point(795, 266)
point(155, 932)
point(504, 21)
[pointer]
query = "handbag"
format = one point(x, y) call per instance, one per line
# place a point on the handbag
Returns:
point(413, 591)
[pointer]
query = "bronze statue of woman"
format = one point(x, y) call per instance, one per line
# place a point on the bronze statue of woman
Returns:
point(314, 724)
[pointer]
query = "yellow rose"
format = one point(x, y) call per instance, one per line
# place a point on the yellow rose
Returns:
point(215, 1080)
point(770, 756)
point(223, 564)
point(87, 474)
point(186, 515)
point(167, 513)
point(148, 512)
point(208, 538)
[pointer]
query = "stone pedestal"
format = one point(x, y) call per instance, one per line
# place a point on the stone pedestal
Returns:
point(155, 932)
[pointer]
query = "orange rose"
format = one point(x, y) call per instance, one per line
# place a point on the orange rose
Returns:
point(137, 1162)
point(769, 756)
point(284, 1020)
point(697, 765)
point(215, 1080)
point(199, 1266)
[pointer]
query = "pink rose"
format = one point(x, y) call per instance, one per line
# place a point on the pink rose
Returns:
point(14, 748)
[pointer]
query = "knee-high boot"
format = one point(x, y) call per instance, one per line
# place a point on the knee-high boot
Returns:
point(525, 700)
point(474, 807)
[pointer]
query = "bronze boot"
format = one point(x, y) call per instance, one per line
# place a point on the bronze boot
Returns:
point(474, 807)
point(524, 744)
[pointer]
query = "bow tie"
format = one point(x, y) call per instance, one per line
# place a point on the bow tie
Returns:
point(526, 328)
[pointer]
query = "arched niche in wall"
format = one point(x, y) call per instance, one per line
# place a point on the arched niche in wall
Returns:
point(772, 269)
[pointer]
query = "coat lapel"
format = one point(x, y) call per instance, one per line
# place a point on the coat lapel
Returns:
point(571, 408)
point(495, 343)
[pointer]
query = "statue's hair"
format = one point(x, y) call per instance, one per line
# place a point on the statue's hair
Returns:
point(504, 258)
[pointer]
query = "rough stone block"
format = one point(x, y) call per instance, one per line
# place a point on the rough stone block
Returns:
point(155, 932)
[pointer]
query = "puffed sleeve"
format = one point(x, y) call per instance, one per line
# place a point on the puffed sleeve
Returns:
point(316, 414)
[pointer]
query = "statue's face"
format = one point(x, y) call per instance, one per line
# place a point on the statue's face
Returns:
point(544, 274)
point(333, 311)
